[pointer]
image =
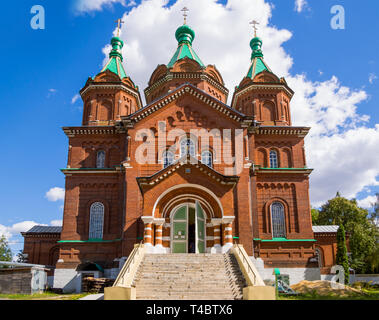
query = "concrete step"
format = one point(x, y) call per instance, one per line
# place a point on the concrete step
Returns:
point(189, 277)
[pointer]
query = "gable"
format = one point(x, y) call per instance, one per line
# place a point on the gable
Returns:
point(196, 104)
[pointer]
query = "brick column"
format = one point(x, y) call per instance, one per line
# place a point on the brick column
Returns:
point(158, 234)
point(227, 233)
point(216, 235)
point(148, 232)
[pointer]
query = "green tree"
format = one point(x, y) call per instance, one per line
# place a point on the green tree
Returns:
point(341, 258)
point(375, 215)
point(315, 214)
point(20, 257)
point(357, 223)
point(373, 259)
point(5, 251)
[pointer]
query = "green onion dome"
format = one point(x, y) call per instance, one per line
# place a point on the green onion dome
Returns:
point(185, 34)
point(117, 45)
point(256, 46)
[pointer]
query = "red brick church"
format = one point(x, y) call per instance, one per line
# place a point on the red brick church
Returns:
point(185, 172)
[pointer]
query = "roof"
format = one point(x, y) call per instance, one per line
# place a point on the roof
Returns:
point(186, 88)
point(115, 58)
point(185, 35)
point(257, 65)
point(189, 161)
point(323, 229)
point(45, 229)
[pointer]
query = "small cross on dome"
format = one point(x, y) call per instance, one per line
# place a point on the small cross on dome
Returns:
point(254, 23)
point(119, 24)
point(185, 15)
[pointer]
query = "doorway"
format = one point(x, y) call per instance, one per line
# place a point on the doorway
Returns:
point(188, 229)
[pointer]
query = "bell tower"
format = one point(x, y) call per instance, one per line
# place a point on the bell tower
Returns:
point(261, 94)
point(111, 94)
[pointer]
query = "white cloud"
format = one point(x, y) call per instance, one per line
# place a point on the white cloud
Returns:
point(340, 147)
point(82, 6)
point(56, 223)
point(75, 98)
point(372, 77)
point(15, 229)
point(55, 194)
point(300, 5)
point(51, 92)
point(368, 202)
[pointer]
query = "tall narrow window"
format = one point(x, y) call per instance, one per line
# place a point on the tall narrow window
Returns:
point(273, 159)
point(100, 160)
point(168, 158)
point(187, 146)
point(96, 221)
point(207, 158)
point(278, 220)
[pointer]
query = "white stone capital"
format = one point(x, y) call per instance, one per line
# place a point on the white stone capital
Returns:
point(216, 222)
point(147, 219)
point(159, 221)
point(228, 219)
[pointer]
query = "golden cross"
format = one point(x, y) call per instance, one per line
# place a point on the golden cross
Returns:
point(254, 23)
point(185, 10)
point(119, 24)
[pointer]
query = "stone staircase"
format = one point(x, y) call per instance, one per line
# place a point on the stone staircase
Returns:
point(189, 277)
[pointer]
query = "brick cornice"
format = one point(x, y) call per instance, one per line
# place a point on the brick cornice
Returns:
point(89, 130)
point(300, 132)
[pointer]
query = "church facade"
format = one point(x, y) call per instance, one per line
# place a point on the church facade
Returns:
point(186, 172)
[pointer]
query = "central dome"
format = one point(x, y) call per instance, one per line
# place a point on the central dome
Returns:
point(185, 34)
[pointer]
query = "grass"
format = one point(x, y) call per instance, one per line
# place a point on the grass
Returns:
point(369, 294)
point(43, 296)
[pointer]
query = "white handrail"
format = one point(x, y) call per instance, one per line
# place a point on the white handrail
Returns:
point(247, 266)
point(128, 271)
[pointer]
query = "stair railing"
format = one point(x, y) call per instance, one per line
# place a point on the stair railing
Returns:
point(247, 266)
point(126, 276)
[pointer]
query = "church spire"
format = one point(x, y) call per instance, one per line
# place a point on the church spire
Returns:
point(185, 36)
point(115, 56)
point(257, 65)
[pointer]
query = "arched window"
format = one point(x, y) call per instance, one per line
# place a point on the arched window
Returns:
point(207, 158)
point(100, 159)
point(96, 221)
point(168, 158)
point(273, 159)
point(187, 146)
point(278, 220)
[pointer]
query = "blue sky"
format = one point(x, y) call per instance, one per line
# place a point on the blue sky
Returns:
point(43, 70)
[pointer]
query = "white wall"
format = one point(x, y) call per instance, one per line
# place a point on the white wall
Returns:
point(295, 274)
point(69, 280)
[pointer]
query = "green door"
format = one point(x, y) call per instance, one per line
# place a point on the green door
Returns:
point(200, 229)
point(179, 232)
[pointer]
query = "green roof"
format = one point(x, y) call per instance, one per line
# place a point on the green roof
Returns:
point(115, 58)
point(185, 36)
point(257, 65)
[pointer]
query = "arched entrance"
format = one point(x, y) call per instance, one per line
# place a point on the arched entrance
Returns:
point(188, 228)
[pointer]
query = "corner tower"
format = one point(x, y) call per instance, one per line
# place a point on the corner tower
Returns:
point(185, 67)
point(111, 94)
point(261, 94)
